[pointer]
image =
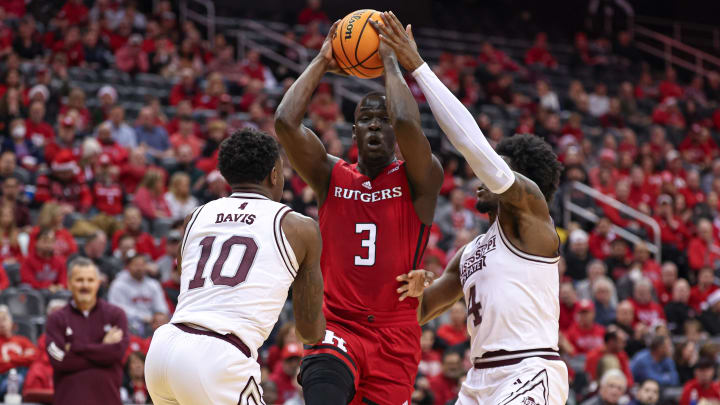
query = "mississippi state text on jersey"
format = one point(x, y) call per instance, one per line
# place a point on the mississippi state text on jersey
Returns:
point(371, 234)
point(511, 296)
point(237, 267)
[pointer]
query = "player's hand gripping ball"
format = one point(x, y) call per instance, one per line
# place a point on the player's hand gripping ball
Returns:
point(355, 45)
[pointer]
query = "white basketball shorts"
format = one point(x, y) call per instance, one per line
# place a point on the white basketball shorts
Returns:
point(533, 381)
point(188, 368)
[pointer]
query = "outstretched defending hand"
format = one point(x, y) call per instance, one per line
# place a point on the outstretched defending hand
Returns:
point(415, 283)
point(400, 40)
point(326, 52)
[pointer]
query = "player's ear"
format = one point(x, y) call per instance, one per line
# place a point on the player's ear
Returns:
point(274, 175)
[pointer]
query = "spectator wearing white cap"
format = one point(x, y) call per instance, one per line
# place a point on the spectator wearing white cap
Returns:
point(577, 254)
point(710, 318)
point(108, 97)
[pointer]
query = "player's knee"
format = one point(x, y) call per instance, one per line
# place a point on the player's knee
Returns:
point(326, 381)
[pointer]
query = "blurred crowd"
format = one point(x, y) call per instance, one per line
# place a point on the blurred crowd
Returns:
point(88, 174)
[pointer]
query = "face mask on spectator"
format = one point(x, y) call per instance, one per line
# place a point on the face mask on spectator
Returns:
point(19, 131)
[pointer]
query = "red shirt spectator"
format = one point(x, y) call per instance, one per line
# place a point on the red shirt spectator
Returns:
point(704, 250)
point(700, 293)
point(539, 53)
point(646, 311)
point(43, 268)
point(614, 345)
point(669, 87)
point(65, 244)
point(144, 243)
point(585, 334)
point(38, 132)
point(456, 331)
point(71, 46)
point(185, 89)
point(568, 306)
point(284, 375)
point(131, 58)
point(253, 67)
point(38, 385)
point(108, 197)
point(702, 386)
point(698, 147)
point(64, 186)
point(600, 239)
point(17, 351)
point(137, 344)
point(75, 12)
point(445, 386)
point(312, 13)
point(14, 8)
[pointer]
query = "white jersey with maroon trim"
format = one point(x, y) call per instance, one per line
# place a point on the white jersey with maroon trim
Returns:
point(237, 267)
point(511, 296)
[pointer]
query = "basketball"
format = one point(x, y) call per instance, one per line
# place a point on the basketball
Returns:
point(355, 45)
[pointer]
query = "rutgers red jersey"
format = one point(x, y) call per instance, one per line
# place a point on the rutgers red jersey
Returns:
point(371, 234)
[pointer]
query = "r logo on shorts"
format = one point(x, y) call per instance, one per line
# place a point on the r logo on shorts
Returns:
point(331, 339)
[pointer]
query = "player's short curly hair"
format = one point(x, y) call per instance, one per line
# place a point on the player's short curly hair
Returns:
point(247, 156)
point(532, 157)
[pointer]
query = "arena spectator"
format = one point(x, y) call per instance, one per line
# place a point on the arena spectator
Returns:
point(9, 168)
point(11, 197)
point(703, 289)
point(612, 388)
point(152, 136)
point(179, 201)
point(647, 394)
point(86, 363)
point(677, 310)
point(454, 216)
point(539, 53)
point(604, 298)
point(577, 255)
point(312, 12)
point(43, 268)
point(138, 295)
point(131, 58)
point(186, 136)
point(132, 226)
point(37, 130)
point(25, 151)
point(647, 311)
point(710, 317)
point(64, 184)
point(133, 390)
point(702, 387)
point(284, 375)
point(121, 132)
point(150, 196)
point(664, 286)
point(595, 270)
point(38, 385)
point(18, 352)
point(568, 305)
point(431, 360)
point(704, 250)
point(186, 88)
point(445, 386)
point(615, 340)
point(584, 334)
point(455, 332)
point(655, 363)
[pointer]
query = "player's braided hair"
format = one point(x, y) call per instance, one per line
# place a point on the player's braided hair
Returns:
point(534, 158)
point(247, 156)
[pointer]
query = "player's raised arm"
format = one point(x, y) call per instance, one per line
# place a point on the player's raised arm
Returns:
point(435, 297)
point(304, 236)
point(423, 169)
point(304, 149)
point(518, 195)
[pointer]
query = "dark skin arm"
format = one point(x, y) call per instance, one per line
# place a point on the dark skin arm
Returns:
point(304, 236)
point(441, 295)
point(524, 213)
point(304, 149)
point(423, 169)
point(525, 218)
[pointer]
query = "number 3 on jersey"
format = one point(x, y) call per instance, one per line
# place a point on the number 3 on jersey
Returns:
point(368, 243)
point(474, 307)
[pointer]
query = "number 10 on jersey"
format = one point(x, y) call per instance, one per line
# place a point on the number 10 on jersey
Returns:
point(368, 243)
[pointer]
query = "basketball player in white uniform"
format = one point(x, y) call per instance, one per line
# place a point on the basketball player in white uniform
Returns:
point(509, 276)
point(238, 257)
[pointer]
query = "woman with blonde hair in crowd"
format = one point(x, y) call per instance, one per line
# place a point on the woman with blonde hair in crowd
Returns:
point(149, 197)
point(178, 198)
point(51, 217)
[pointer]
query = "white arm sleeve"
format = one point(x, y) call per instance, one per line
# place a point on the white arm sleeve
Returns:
point(464, 133)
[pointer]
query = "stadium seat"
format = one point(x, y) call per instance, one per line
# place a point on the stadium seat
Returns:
point(23, 302)
point(13, 273)
point(27, 328)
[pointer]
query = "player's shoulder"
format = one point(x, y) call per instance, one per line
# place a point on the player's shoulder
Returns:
point(296, 223)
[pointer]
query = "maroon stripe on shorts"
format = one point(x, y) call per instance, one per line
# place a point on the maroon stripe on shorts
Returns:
point(497, 353)
point(509, 362)
point(230, 338)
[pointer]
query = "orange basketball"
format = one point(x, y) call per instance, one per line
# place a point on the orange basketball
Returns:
point(355, 45)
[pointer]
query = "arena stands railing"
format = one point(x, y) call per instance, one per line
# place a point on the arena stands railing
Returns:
point(674, 52)
point(703, 36)
point(654, 246)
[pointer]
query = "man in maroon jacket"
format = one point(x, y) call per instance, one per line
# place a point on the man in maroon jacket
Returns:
point(86, 341)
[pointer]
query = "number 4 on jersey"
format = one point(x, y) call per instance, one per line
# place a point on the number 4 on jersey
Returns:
point(474, 307)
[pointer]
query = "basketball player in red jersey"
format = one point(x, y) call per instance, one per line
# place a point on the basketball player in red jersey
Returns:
point(375, 218)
